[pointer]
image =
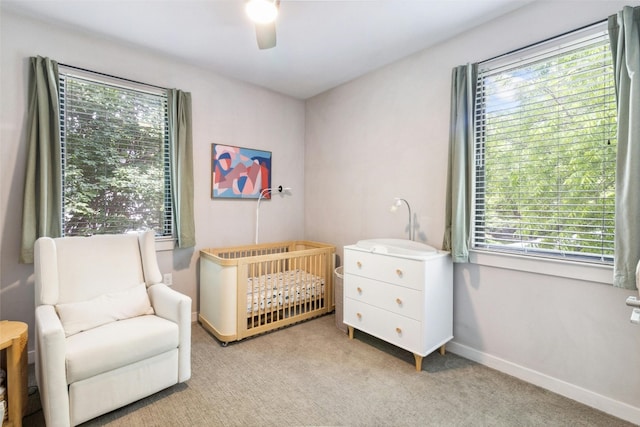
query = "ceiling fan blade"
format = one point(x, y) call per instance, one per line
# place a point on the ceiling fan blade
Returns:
point(266, 35)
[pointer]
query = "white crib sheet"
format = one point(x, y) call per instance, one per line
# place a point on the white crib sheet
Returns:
point(284, 288)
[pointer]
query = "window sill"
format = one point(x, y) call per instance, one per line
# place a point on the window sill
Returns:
point(165, 244)
point(572, 270)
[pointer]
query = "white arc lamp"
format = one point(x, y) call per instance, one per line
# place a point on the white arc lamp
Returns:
point(396, 205)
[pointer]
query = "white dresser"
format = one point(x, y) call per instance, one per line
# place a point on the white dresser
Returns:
point(406, 301)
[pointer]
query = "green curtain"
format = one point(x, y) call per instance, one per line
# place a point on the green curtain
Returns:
point(42, 203)
point(624, 34)
point(458, 203)
point(181, 153)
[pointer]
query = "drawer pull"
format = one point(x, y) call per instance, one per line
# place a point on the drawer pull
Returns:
point(359, 289)
point(359, 264)
point(359, 315)
point(399, 272)
point(398, 301)
point(399, 331)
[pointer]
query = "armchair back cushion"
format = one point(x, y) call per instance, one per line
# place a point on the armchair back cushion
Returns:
point(76, 269)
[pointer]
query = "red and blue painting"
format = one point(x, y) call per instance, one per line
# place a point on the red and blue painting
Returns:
point(239, 173)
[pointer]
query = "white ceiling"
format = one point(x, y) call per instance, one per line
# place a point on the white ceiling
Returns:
point(321, 44)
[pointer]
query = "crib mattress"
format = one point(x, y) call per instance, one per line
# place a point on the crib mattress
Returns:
point(280, 289)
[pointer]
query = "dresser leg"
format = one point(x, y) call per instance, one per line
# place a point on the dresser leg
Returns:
point(350, 332)
point(442, 349)
point(418, 362)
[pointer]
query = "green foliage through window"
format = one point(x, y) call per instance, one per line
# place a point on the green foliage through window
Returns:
point(115, 174)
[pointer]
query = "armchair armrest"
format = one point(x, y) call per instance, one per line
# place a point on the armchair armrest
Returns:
point(174, 306)
point(51, 373)
point(170, 304)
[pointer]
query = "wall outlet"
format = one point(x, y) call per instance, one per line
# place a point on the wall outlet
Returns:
point(167, 279)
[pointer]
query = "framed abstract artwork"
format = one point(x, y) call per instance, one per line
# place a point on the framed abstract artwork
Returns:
point(239, 173)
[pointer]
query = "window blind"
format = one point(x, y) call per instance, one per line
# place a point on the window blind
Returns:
point(545, 150)
point(115, 146)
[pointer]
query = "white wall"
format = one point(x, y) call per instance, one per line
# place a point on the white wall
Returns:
point(386, 135)
point(224, 111)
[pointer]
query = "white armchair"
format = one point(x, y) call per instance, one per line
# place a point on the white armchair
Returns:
point(107, 331)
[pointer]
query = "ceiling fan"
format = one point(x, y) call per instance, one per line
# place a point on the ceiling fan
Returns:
point(263, 13)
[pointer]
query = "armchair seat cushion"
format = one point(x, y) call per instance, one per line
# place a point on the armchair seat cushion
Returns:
point(118, 344)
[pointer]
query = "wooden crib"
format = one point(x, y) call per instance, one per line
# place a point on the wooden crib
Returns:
point(248, 290)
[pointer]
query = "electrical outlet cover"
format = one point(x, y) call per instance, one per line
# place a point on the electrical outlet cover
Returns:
point(167, 279)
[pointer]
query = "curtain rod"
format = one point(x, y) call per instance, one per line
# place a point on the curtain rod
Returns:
point(543, 41)
point(113, 77)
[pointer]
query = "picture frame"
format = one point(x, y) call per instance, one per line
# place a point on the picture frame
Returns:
point(239, 172)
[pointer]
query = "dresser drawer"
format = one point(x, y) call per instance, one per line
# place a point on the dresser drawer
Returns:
point(397, 299)
point(393, 328)
point(399, 271)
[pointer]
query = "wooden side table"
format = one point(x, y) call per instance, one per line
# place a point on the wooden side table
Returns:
point(13, 339)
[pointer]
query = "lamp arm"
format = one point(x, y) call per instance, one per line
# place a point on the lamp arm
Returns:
point(398, 200)
point(263, 194)
point(410, 221)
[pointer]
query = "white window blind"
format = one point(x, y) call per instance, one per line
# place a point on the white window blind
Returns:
point(545, 150)
point(115, 147)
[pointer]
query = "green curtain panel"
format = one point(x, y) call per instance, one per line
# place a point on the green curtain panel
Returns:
point(181, 153)
point(458, 203)
point(624, 33)
point(42, 203)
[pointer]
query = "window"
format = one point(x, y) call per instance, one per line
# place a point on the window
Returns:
point(545, 150)
point(115, 156)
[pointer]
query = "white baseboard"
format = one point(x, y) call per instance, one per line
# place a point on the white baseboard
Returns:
point(605, 404)
point(194, 316)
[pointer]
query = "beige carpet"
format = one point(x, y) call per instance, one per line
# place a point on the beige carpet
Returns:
point(312, 374)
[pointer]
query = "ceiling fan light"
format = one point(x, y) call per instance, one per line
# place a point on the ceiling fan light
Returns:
point(262, 11)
